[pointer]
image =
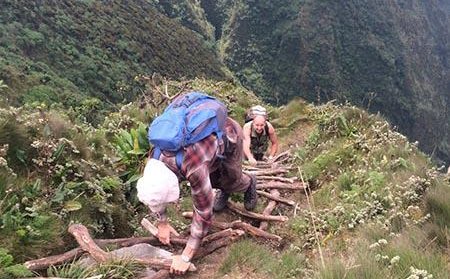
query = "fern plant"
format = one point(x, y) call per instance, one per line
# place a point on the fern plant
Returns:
point(132, 147)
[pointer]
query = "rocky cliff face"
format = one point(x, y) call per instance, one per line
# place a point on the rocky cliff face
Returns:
point(391, 57)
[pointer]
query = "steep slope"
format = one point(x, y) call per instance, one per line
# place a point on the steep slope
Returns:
point(388, 57)
point(64, 49)
point(379, 206)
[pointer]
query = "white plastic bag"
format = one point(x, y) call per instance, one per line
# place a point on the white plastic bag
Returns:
point(158, 186)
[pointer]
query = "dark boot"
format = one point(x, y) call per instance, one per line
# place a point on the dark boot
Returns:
point(250, 196)
point(220, 201)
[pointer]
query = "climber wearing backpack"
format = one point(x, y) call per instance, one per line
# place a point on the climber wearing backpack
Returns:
point(258, 131)
point(194, 140)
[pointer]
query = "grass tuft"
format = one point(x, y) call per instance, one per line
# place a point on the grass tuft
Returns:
point(259, 259)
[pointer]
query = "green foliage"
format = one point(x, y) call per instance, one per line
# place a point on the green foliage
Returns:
point(344, 51)
point(41, 94)
point(346, 181)
point(380, 255)
point(92, 48)
point(64, 172)
point(345, 160)
point(123, 268)
point(68, 270)
point(132, 148)
point(190, 14)
point(10, 270)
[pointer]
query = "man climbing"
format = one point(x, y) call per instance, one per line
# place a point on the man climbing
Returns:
point(257, 134)
point(214, 160)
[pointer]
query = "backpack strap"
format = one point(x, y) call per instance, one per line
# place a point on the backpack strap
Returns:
point(156, 153)
point(178, 157)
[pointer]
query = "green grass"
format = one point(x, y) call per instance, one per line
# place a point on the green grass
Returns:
point(259, 259)
point(416, 250)
point(114, 269)
point(336, 269)
point(437, 202)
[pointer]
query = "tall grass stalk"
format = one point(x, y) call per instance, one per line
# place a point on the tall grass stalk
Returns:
point(316, 236)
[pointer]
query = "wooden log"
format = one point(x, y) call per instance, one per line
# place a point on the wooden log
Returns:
point(53, 260)
point(267, 172)
point(213, 246)
point(275, 198)
point(86, 243)
point(259, 165)
point(278, 157)
point(276, 178)
point(280, 185)
point(268, 210)
point(254, 231)
point(282, 161)
point(146, 224)
point(221, 234)
point(125, 242)
point(254, 215)
point(70, 255)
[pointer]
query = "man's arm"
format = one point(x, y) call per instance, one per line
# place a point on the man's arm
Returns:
point(246, 130)
point(203, 201)
point(274, 140)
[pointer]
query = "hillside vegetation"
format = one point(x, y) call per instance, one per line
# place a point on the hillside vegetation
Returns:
point(66, 51)
point(371, 189)
point(388, 57)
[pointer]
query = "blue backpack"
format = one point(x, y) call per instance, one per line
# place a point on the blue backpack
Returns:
point(188, 119)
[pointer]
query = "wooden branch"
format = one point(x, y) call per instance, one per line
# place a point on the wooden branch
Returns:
point(282, 161)
point(239, 225)
point(263, 164)
point(125, 242)
point(149, 227)
point(221, 234)
point(213, 246)
point(53, 260)
point(254, 215)
point(68, 256)
point(276, 178)
point(278, 199)
point(280, 185)
point(279, 156)
point(254, 230)
point(86, 243)
point(267, 172)
point(269, 208)
point(154, 231)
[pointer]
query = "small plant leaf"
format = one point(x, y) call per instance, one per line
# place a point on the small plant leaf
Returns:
point(72, 205)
